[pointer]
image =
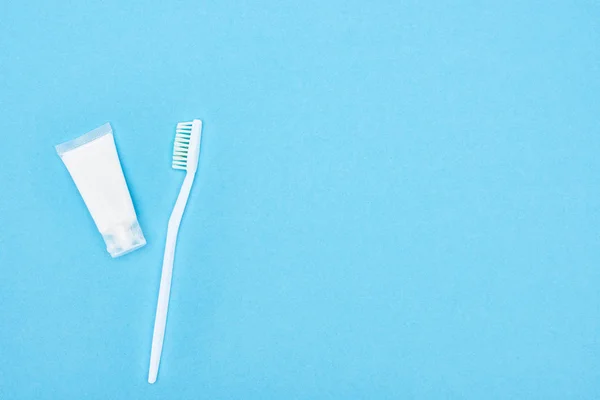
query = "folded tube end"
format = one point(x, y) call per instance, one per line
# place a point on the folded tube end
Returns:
point(83, 139)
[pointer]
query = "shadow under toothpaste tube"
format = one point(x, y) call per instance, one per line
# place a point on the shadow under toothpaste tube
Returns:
point(94, 165)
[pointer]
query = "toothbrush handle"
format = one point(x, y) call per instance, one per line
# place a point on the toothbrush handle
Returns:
point(167, 273)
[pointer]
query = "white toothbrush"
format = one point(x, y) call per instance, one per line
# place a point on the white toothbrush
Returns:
point(186, 152)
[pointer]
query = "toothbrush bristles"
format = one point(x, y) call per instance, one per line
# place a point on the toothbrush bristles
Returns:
point(182, 143)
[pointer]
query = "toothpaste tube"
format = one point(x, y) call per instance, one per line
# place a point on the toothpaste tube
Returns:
point(94, 165)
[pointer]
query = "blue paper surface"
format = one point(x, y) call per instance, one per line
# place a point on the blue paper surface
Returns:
point(395, 199)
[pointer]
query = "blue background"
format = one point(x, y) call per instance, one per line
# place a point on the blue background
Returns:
point(396, 199)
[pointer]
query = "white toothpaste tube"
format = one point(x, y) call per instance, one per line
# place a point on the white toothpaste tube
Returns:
point(94, 165)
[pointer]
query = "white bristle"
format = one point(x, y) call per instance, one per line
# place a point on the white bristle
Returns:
point(183, 135)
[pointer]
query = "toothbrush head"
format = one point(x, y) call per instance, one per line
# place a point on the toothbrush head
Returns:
point(186, 149)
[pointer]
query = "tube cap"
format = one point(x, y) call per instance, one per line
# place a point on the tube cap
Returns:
point(124, 238)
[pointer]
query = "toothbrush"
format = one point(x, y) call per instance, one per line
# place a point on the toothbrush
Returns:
point(185, 157)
